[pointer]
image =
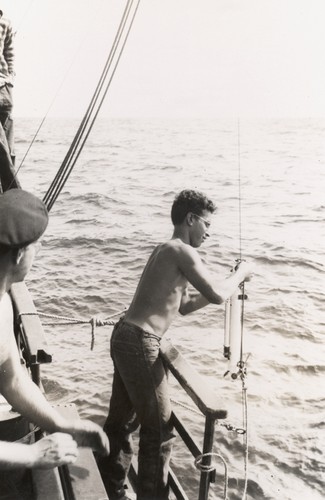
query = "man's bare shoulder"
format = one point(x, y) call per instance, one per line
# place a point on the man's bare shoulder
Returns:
point(5, 304)
point(6, 313)
point(6, 328)
point(176, 245)
point(175, 251)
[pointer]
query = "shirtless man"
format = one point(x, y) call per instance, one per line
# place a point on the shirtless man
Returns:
point(140, 392)
point(23, 220)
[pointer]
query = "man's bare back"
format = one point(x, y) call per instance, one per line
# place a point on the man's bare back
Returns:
point(158, 295)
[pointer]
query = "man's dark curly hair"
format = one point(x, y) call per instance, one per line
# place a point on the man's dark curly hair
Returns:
point(187, 201)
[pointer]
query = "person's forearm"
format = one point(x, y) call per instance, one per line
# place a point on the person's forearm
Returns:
point(26, 398)
point(15, 455)
point(194, 302)
point(218, 292)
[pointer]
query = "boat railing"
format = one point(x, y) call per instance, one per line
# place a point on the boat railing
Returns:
point(195, 385)
point(197, 388)
point(29, 331)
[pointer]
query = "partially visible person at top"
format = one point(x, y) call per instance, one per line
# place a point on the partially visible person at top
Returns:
point(23, 220)
point(7, 74)
point(140, 390)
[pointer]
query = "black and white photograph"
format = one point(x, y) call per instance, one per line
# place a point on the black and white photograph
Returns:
point(161, 249)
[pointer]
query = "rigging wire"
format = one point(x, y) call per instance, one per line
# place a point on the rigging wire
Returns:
point(23, 16)
point(242, 286)
point(243, 297)
point(61, 84)
point(94, 106)
point(40, 125)
point(90, 108)
point(242, 363)
point(239, 192)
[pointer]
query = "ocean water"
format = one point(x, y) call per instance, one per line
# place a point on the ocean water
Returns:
point(115, 208)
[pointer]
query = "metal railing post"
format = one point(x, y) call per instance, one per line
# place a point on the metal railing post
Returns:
point(207, 476)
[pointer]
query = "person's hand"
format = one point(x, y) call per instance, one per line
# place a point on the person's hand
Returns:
point(91, 435)
point(246, 269)
point(52, 451)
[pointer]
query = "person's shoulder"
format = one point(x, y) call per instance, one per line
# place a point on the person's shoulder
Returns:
point(179, 248)
point(6, 327)
point(173, 244)
point(6, 312)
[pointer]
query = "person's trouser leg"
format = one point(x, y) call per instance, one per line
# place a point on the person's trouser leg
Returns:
point(136, 356)
point(156, 432)
point(119, 425)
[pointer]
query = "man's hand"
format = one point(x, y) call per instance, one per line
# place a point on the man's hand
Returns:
point(246, 269)
point(52, 451)
point(91, 435)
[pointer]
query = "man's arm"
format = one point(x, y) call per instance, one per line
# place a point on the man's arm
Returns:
point(51, 451)
point(192, 301)
point(23, 395)
point(8, 52)
point(27, 399)
point(210, 291)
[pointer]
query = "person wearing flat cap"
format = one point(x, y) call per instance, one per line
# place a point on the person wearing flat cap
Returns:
point(23, 220)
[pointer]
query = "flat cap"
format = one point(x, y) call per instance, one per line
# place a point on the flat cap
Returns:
point(23, 218)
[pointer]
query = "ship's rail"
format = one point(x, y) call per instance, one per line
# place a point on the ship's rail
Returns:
point(205, 399)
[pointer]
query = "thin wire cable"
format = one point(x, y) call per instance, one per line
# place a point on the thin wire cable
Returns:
point(67, 166)
point(240, 239)
point(53, 101)
point(39, 128)
point(239, 191)
point(59, 179)
point(23, 17)
point(242, 364)
point(72, 155)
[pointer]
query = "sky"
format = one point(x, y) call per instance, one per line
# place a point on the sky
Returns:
point(184, 58)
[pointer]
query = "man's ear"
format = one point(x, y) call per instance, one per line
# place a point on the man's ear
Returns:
point(18, 255)
point(189, 218)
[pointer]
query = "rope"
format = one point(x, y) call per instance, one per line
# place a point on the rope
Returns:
point(64, 320)
point(82, 134)
point(209, 468)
